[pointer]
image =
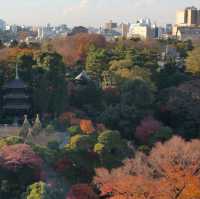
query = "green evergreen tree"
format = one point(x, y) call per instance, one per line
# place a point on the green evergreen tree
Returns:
point(25, 62)
point(55, 85)
point(97, 60)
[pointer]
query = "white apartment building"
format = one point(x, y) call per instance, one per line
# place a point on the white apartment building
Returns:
point(139, 31)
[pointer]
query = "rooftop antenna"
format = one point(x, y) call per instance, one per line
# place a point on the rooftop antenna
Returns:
point(16, 72)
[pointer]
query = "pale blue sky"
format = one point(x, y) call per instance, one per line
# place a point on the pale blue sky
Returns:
point(90, 12)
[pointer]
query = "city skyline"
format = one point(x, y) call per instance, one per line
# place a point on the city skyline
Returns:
point(90, 12)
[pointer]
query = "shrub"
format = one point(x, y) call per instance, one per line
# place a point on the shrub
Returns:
point(53, 145)
point(46, 153)
point(87, 126)
point(74, 130)
point(12, 140)
point(2, 143)
point(110, 139)
point(40, 190)
point(50, 129)
point(99, 148)
point(81, 142)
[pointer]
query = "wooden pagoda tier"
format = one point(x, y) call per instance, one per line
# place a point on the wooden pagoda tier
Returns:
point(16, 100)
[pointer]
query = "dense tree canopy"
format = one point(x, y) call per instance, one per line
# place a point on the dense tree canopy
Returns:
point(179, 108)
point(97, 60)
point(193, 61)
point(136, 101)
point(74, 48)
point(131, 98)
point(174, 171)
point(20, 167)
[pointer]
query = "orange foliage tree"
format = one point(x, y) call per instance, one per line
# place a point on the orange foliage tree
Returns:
point(10, 54)
point(74, 48)
point(171, 171)
point(87, 126)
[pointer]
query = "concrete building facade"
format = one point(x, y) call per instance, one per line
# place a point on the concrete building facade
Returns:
point(187, 24)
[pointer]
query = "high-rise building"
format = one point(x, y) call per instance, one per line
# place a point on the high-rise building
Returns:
point(124, 28)
point(110, 25)
point(187, 24)
point(154, 31)
point(168, 28)
point(2, 25)
point(180, 18)
point(188, 17)
point(191, 16)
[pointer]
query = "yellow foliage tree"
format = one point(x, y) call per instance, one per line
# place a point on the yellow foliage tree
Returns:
point(193, 62)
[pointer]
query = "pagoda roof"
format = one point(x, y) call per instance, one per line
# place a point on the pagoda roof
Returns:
point(17, 107)
point(83, 76)
point(16, 96)
point(16, 84)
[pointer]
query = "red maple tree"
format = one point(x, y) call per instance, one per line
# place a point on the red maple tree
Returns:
point(171, 171)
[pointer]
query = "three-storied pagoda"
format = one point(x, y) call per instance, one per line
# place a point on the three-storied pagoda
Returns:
point(16, 101)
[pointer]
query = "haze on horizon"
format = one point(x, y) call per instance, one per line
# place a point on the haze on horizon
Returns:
point(90, 12)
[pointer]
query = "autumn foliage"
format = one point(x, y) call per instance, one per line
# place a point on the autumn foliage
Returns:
point(17, 156)
point(87, 126)
point(81, 191)
point(19, 167)
point(10, 54)
point(70, 117)
point(147, 127)
point(171, 171)
point(74, 48)
point(63, 164)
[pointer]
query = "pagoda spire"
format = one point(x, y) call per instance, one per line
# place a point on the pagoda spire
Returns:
point(16, 72)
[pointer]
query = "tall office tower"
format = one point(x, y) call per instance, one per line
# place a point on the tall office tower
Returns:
point(123, 29)
point(191, 16)
point(2, 25)
point(198, 18)
point(188, 17)
point(168, 28)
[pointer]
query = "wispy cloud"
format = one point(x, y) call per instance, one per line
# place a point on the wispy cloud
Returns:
point(77, 7)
